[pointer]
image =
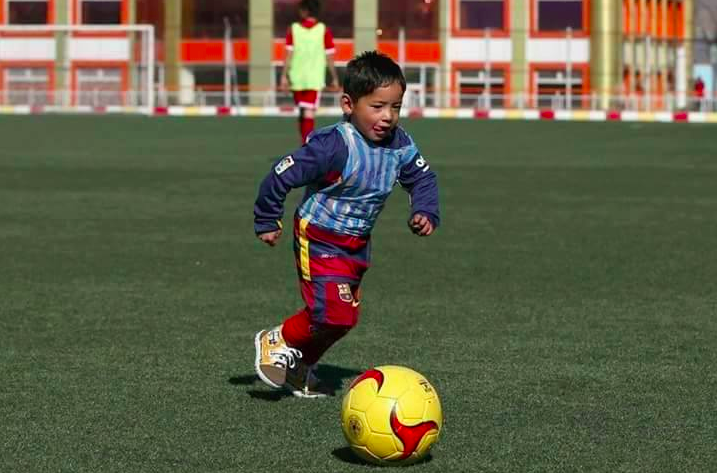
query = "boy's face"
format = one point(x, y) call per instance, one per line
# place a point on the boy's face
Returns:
point(375, 115)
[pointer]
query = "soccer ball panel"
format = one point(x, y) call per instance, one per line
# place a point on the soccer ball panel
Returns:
point(355, 428)
point(396, 381)
point(432, 411)
point(411, 406)
point(362, 395)
point(378, 415)
point(426, 443)
point(381, 445)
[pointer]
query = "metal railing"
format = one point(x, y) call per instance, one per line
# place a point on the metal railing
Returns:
point(35, 97)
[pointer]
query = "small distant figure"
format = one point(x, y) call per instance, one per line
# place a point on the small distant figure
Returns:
point(699, 88)
point(699, 94)
point(309, 50)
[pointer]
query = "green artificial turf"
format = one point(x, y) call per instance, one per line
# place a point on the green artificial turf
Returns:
point(566, 310)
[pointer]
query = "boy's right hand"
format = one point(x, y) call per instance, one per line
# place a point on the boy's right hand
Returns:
point(270, 238)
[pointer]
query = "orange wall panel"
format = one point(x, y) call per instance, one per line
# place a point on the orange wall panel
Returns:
point(671, 19)
point(390, 48)
point(416, 51)
point(423, 52)
point(212, 51)
point(680, 21)
point(660, 17)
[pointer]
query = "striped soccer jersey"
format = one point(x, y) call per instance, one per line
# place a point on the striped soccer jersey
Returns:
point(348, 180)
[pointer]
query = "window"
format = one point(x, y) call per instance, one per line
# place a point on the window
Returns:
point(26, 86)
point(285, 13)
point(27, 12)
point(420, 86)
point(101, 12)
point(338, 16)
point(481, 14)
point(99, 86)
point(209, 83)
point(151, 12)
point(559, 15)
point(472, 87)
point(551, 87)
point(209, 18)
point(419, 18)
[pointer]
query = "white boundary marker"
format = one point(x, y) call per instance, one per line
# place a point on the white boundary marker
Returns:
point(455, 113)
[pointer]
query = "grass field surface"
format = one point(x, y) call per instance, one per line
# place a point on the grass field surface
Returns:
point(566, 310)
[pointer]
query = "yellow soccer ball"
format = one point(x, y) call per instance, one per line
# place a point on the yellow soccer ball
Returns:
point(391, 415)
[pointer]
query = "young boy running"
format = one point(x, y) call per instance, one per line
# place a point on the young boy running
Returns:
point(349, 170)
point(309, 50)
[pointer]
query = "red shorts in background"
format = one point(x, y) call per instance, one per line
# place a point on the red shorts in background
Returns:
point(307, 98)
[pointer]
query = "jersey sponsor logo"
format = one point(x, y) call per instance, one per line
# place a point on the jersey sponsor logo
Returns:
point(422, 163)
point(284, 164)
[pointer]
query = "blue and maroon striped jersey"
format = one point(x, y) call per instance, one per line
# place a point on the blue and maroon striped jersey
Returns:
point(348, 180)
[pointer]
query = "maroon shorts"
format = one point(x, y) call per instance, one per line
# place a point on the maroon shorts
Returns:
point(307, 98)
point(330, 268)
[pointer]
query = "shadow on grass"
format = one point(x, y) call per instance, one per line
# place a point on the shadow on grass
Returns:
point(333, 376)
point(347, 456)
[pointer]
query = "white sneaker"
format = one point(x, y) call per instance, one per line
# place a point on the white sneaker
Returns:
point(273, 357)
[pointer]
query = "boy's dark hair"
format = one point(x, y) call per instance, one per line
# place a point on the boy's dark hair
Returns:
point(369, 71)
point(311, 6)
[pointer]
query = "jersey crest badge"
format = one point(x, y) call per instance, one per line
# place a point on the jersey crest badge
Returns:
point(284, 164)
point(345, 292)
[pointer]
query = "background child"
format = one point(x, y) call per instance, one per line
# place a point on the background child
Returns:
point(309, 50)
point(349, 170)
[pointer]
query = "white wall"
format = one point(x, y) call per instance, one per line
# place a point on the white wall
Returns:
point(43, 49)
point(476, 50)
point(556, 50)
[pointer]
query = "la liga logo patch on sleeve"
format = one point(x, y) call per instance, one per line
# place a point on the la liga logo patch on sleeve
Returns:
point(284, 164)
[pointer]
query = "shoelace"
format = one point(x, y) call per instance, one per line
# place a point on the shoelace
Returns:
point(287, 355)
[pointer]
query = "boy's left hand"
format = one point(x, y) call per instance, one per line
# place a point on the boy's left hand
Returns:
point(420, 225)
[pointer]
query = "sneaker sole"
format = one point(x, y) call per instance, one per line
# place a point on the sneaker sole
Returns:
point(304, 395)
point(257, 360)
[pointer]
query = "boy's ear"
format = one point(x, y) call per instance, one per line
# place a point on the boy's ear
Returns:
point(347, 105)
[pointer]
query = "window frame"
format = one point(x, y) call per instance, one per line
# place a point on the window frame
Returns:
point(78, 65)
point(457, 67)
point(457, 31)
point(48, 66)
point(582, 33)
point(583, 68)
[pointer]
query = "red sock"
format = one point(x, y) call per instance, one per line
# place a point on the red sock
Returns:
point(312, 339)
point(306, 125)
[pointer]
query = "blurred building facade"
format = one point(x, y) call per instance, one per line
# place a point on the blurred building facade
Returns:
point(473, 53)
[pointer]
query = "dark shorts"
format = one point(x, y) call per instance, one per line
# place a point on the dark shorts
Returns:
point(330, 268)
